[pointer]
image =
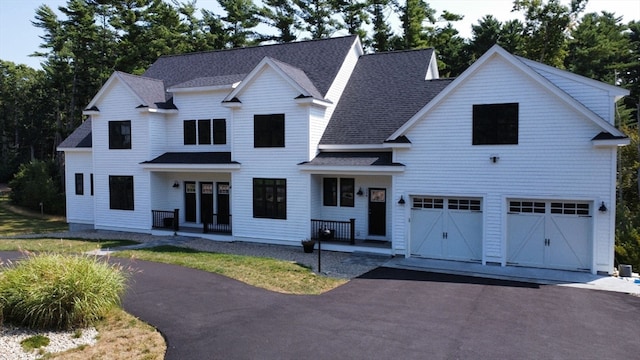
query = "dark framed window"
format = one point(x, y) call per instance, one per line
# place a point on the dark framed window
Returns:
point(219, 131)
point(121, 192)
point(346, 192)
point(204, 132)
point(268, 130)
point(270, 198)
point(79, 184)
point(189, 132)
point(330, 192)
point(120, 134)
point(495, 124)
point(91, 183)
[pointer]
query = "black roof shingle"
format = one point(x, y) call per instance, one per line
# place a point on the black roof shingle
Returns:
point(384, 91)
point(79, 138)
point(193, 158)
point(319, 59)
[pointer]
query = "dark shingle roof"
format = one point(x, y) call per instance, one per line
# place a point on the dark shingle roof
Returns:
point(607, 136)
point(299, 76)
point(151, 91)
point(211, 81)
point(193, 158)
point(352, 159)
point(384, 92)
point(80, 137)
point(319, 59)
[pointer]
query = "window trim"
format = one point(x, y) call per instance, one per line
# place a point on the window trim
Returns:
point(269, 131)
point(79, 178)
point(495, 124)
point(262, 207)
point(117, 195)
point(117, 140)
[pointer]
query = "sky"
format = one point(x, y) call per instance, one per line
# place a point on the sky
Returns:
point(19, 38)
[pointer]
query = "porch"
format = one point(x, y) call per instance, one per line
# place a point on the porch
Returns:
point(170, 220)
point(340, 236)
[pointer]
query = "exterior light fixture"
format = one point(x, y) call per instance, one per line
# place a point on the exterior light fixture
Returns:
point(401, 201)
point(360, 193)
point(602, 208)
point(176, 184)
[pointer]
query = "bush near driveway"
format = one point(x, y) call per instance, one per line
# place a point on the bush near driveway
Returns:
point(55, 291)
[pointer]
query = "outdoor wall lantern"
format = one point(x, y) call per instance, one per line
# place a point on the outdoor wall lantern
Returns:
point(176, 184)
point(494, 158)
point(401, 201)
point(360, 193)
point(603, 208)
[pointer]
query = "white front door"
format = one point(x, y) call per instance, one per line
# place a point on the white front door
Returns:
point(446, 228)
point(549, 234)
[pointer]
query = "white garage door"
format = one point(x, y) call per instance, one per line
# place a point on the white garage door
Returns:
point(549, 234)
point(446, 228)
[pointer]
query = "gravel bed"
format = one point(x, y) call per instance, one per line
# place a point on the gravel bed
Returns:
point(11, 336)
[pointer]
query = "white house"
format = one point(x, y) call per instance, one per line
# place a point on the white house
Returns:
point(511, 163)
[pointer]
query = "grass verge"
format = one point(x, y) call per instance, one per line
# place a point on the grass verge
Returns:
point(271, 274)
point(14, 221)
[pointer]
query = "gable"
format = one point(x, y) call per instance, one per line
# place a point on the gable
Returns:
point(508, 61)
point(147, 93)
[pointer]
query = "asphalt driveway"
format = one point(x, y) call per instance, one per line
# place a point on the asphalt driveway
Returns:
point(385, 314)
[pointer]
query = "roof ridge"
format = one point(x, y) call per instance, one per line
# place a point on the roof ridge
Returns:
point(392, 52)
point(256, 46)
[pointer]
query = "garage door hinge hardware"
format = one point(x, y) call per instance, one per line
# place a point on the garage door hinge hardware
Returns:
point(445, 235)
point(547, 242)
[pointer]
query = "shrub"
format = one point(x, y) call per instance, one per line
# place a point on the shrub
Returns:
point(53, 291)
point(37, 182)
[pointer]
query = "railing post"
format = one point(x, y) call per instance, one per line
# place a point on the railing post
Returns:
point(352, 235)
point(176, 219)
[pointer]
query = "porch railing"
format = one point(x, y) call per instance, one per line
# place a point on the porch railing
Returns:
point(334, 230)
point(163, 219)
point(219, 224)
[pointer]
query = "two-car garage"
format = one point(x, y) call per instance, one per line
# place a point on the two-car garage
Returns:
point(549, 234)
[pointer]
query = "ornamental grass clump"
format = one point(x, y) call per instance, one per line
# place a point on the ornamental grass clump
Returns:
point(55, 291)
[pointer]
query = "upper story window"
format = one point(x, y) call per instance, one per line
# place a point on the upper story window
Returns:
point(268, 130)
point(120, 134)
point(495, 124)
point(199, 132)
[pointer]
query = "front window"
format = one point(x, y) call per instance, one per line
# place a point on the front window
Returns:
point(189, 127)
point(330, 189)
point(120, 134)
point(204, 132)
point(495, 124)
point(270, 198)
point(121, 192)
point(268, 130)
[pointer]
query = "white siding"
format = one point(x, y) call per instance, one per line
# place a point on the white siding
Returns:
point(554, 157)
point(269, 93)
point(596, 100)
point(196, 106)
point(117, 104)
point(79, 207)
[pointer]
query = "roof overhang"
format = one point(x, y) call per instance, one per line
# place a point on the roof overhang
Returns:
point(194, 89)
point(313, 101)
point(358, 147)
point(355, 170)
point(608, 140)
point(75, 149)
point(190, 167)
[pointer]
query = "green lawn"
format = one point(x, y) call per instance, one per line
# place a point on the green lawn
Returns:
point(15, 222)
point(271, 274)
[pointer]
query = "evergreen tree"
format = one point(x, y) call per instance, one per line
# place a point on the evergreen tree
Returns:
point(242, 16)
point(382, 34)
point(317, 17)
point(281, 15)
point(413, 16)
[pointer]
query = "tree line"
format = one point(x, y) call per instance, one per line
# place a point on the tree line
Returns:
point(92, 38)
